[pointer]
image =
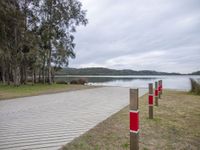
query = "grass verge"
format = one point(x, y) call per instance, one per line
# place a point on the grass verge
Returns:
point(176, 126)
point(9, 91)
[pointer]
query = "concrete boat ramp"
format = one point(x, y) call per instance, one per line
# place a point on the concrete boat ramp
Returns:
point(50, 121)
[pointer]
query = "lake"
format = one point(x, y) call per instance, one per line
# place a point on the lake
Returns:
point(179, 82)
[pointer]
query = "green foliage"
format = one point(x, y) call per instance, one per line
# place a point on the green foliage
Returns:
point(36, 34)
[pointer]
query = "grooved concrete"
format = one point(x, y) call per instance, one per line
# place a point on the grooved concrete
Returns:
point(50, 121)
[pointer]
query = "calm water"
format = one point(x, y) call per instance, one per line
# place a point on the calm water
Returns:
point(170, 82)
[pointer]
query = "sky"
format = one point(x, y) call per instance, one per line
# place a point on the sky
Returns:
point(161, 35)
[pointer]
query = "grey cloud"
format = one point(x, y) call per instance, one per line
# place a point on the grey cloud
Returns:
point(135, 28)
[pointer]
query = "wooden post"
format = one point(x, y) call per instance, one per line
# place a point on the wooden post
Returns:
point(150, 100)
point(156, 93)
point(159, 89)
point(134, 120)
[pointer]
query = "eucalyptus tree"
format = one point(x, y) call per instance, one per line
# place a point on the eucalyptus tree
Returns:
point(3, 37)
point(36, 37)
point(30, 10)
point(11, 22)
point(59, 19)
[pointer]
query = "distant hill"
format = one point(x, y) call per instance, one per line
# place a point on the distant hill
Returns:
point(196, 73)
point(107, 71)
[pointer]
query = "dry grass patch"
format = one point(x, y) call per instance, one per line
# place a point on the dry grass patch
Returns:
point(176, 126)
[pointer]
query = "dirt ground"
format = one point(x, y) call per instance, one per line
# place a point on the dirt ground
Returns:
point(176, 126)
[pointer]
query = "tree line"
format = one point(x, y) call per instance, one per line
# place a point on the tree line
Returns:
point(37, 38)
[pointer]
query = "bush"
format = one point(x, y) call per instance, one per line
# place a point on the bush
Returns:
point(82, 81)
point(195, 86)
point(61, 82)
point(79, 81)
point(74, 82)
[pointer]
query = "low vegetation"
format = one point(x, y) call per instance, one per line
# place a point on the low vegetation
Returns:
point(8, 91)
point(195, 86)
point(175, 127)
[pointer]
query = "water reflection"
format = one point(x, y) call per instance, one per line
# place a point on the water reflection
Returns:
point(169, 82)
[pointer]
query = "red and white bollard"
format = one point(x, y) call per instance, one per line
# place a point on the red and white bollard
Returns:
point(134, 120)
point(156, 93)
point(159, 89)
point(151, 100)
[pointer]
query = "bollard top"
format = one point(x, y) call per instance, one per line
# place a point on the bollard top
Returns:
point(156, 84)
point(150, 88)
point(134, 99)
point(134, 91)
point(150, 84)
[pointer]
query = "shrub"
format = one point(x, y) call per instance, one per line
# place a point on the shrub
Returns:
point(79, 81)
point(82, 81)
point(74, 82)
point(195, 86)
point(61, 82)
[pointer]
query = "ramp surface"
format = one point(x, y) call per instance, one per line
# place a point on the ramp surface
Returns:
point(50, 121)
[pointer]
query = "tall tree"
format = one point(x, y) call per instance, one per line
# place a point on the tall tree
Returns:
point(11, 21)
point(60, 18)
point(29, 8)
point(36, 37)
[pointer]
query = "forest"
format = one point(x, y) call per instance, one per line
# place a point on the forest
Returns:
point(37, 38)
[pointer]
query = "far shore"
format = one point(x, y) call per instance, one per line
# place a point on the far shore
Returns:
point(67, 75)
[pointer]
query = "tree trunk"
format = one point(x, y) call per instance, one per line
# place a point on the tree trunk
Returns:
point(49, 42)
point(34, 75)
point(49, 65)
point(43, 69)
point(8, 73)
point(22, 74)
point(25, 71)
point(39, 79)
point(3, 76)
point(16, 75)
point(49, 72)
point(16, 68)
point(3, 71)
point(53, 75)
point(25, 75)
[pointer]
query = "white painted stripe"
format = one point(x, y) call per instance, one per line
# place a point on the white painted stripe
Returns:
point(134, 111)
point(150, 104)
point(151, 94)
point(134, 131)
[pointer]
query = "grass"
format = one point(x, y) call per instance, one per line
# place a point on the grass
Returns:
point(176, 126)
point(9, 91)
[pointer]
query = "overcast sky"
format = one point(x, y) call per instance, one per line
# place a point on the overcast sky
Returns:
point(161, 35)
